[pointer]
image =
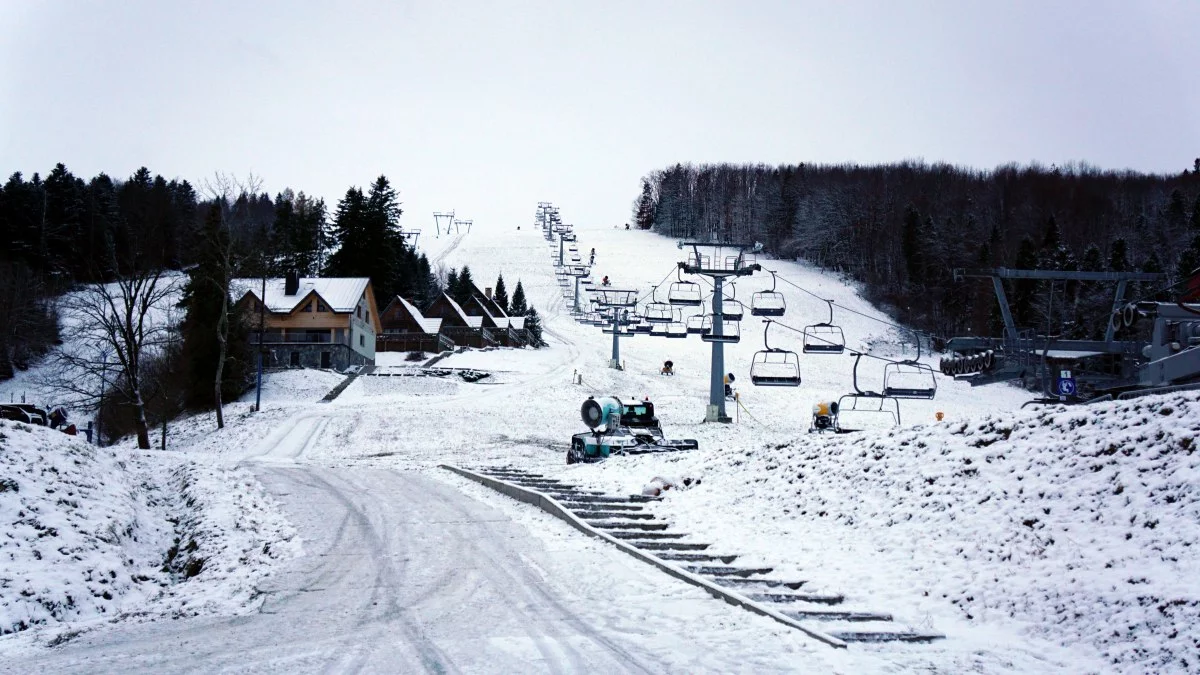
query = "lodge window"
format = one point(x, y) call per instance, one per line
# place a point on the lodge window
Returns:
point(362, 340)
point(358, 311)
point(321, 307)
point(308, 307)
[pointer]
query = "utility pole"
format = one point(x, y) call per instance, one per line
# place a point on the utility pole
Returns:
point(262, 321)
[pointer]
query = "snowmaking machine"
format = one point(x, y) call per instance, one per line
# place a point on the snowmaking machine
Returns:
point(620, 427)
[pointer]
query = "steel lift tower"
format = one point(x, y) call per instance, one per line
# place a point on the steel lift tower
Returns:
point(437, 221)
point(617, 303)
point(718, 261)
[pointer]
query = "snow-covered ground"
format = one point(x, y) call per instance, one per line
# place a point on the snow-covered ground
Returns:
point(95, 535)
point(1054, 540)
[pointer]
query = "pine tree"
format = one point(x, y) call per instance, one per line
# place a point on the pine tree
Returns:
point(1052, 236)
point(366, 231)
point(1118, 257)
point(500, 295)
point(211, 317)
point(466, 286)
point(519, 306)
point(1024, 290)
point(1189, 260)
point(910, 245)
point(1194, 223)
point(533, 324)
point(451, 282)
point(644, 207)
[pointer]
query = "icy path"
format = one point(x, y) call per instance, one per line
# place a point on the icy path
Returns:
point(409, 571)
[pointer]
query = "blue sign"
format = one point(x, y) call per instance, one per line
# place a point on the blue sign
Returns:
point(1066, 383)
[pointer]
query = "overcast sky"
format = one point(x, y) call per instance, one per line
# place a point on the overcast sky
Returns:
point(490, 107)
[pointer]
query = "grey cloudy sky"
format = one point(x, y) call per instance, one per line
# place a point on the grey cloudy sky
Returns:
point(489, 107)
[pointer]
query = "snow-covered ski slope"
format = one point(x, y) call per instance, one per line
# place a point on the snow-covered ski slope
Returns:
point(638, 260)
point(1019, 534)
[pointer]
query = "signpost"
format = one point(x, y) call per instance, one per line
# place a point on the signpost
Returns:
point(1066, 385)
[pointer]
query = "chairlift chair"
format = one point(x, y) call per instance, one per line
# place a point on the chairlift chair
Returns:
point(677, 329)
point(732, 310)
point(824, 337)
point(658, 312)
point(730, 331)
point(685, 293)
point(699, 324)
point(768, 303)
point(868, 401)
point(910, 378)
point(773, 366)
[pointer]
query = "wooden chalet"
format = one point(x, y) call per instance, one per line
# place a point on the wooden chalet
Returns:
point(406, 329)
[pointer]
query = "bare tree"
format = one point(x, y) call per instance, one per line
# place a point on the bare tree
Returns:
point(110, 332)
point(221, 253)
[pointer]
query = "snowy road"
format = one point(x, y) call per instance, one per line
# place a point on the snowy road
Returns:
point(402, 573)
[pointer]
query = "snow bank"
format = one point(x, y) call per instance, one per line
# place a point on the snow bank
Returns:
point(94, 534)
point(1077, 525)
point(300, 385)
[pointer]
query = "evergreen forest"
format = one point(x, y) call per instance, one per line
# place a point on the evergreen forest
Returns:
point(902, 229)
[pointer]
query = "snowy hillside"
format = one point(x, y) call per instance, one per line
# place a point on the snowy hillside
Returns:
point(1075, 525)
point(96, 534)
point(638, 260)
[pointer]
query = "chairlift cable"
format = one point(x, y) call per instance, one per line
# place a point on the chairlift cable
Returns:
point(851, 352)
point(897, 326)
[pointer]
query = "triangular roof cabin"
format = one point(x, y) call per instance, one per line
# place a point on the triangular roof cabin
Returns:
point(452, 314)
point(401, 316)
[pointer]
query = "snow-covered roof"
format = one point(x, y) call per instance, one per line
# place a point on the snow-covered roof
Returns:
point(341, 294)
point(428, 324)
point(517, 322)
point(471, 321)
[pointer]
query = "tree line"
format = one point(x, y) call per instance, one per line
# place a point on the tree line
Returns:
point(123, 246)
point(901, 229)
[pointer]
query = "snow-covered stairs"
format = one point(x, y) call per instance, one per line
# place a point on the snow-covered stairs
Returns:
point(626, 518)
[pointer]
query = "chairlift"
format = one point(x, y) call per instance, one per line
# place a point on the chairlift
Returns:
point(910, 378)
point(677, 329)
point(730, 331)
point(868, 401)
point(824, 337)
point(685, 293)
point(732, 310)
point(773, 366)
point(699, 324)
point(658, 312)
point(768, 303)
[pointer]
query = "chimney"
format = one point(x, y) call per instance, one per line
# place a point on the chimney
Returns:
point(488, 292)
point(291, 285)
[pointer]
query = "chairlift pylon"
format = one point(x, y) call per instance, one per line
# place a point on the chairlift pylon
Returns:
point(773, 366)
point(768, 303)
point(824, 337)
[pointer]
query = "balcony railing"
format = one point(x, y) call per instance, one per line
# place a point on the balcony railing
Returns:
point(291, 338)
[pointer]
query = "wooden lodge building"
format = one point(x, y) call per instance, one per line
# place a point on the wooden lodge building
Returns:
point(312, 323)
